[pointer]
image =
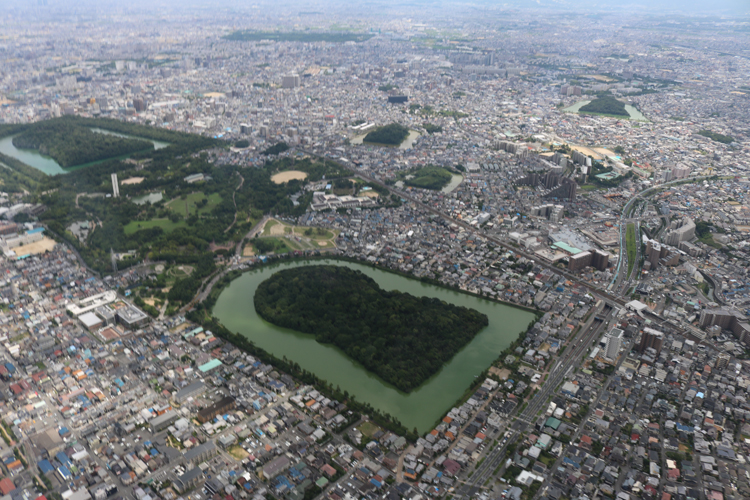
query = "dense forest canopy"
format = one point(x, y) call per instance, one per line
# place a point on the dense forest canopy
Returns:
point(71, 144)
point(401, 338)
point(606, 106)
point(277, 148)
point(429, 177)
point(715, 136)
point(391, 135)
point(179, 229)
point(431, 128)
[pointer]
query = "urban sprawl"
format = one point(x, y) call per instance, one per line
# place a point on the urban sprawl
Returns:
point(625, 231)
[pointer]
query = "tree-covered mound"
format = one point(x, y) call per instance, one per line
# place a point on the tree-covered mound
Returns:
point(715, 136)
point(401, 338)
point(429, 177)
point(70, 143)
point(606, 106)
point(390, 135)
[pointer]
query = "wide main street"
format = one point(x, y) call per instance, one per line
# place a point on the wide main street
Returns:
point(577, 347)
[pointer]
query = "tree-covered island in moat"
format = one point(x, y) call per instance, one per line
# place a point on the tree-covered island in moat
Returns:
point(70, 144)
point(390, 135)
point(606, 106)
point(401, 338)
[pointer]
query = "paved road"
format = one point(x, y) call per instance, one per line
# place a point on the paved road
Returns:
point(251, 234)
point(569, 359)
point(581, 427)
point(625, 216)
point(234, 201)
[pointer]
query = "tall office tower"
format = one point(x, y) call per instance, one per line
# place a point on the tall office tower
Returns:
point(115, 187)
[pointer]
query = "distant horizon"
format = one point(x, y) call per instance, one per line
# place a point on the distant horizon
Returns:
point(645, 7)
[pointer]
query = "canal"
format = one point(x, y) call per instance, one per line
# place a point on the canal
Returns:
point(420, 408)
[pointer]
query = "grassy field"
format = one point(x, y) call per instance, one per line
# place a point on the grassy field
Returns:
point(189, 205)
point(298, 237)
point(270, 245)
point(167, 225)
point(631, 249)
point(368, 429)
point(238, 453)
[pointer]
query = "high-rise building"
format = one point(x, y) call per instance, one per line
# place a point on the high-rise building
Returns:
point(139, 104)
point(722, 361)
point(600, 260)
point(290, 81)
point(683, 230)
point(579, 261)
point(651, 338)
point(115, 187)
point(614, 343)
point(680, 171)
point(726, 319)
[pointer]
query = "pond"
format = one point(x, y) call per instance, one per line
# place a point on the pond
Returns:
point(51, 167)
point(422, 407)
point(148, 198)
point(453, 184)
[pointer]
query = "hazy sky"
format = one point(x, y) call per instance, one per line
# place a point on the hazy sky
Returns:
point(702, 7)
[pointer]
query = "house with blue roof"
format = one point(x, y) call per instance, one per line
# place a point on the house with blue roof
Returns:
point(45, 466)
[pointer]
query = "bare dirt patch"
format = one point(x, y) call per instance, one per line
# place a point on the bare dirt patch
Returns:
point(132, 180)
point(41, 246)
point(501, 373)
point(214, 247)
point(277, 230)
point(287, 176)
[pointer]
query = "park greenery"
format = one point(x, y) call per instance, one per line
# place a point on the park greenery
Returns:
point(390, 135)
point(401, 338)
point(431, 128)
point(387, 87)
point(270, 245)
point(192, 220)
point(429, 177)
point(704, 233)
point(606, 106)
point(70, 143)
point(714, 136)
point(277, 148)
point(242, 143)
point(296, 36)
point(19, 177)
point(630, 245)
